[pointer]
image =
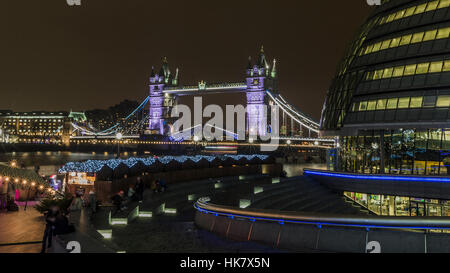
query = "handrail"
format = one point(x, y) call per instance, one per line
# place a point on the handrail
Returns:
point(384, 222)
point(392, 177)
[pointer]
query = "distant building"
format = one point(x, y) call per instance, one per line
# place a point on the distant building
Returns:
point(102, 119)
point(37, 127)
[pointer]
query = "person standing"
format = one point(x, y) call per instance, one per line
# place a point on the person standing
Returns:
point(92, 202)
point(154, 186)
point(140, 189)
point(163, 185)
point(50, 218)
point(4, 195)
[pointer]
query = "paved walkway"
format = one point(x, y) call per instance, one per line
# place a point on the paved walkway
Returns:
point(19, 227)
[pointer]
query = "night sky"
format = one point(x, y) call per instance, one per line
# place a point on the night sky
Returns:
point(57, 57)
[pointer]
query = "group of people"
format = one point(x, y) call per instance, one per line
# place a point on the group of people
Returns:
point(80, 201)
point(159, 185)
point(135, 194)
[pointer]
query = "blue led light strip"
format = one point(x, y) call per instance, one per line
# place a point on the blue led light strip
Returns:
point(252, 219)
point(378, 177)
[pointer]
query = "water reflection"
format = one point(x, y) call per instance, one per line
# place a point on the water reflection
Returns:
point(50, 158)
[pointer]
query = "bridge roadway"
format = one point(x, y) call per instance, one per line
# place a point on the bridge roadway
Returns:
point(209, 89)
point(135, 139)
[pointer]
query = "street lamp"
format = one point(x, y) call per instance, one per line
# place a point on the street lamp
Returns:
point(119, 136)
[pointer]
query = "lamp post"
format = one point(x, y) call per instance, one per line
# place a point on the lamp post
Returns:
point(196, 140)
point(119, 136)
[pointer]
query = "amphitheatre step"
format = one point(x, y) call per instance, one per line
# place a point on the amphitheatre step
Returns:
point(270, 199)
point(305, 198)
point(275, 201)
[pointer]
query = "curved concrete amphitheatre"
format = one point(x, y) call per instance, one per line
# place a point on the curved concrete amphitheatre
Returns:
point(301, 214)
point(249, 207)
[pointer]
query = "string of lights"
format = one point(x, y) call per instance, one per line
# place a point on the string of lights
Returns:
point(24, 178)
point(94, 166)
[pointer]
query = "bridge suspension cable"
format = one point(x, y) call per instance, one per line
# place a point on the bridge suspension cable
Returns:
point(296, 115)
point(114, 129)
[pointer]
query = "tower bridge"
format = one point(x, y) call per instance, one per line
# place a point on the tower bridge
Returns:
point(260, 85)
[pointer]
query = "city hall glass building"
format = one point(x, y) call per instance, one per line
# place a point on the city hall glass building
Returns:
point(389, 101)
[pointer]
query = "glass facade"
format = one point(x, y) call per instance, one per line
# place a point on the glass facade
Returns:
point(388, 205)
point(396, 71)
point(413, 152)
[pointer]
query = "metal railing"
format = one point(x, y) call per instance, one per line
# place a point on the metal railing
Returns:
point(320, 220)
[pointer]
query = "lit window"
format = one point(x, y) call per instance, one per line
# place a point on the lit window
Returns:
point(422, 68)
point(446, 66)
point(430, 35)
point(436, 67)
point(410, 70)
point(420, 9)
point(376, 47)
point(399, 14)
point(369, 49)
point(444, 4)
point(381, 104)
point(398, 71)
point(371, 105)
point(390, 18)
point(416, 102)
point(432, 5)
point(385, 44)
point(363, 106)
point(392, 103)
point(443, 33)
point(417, 37)
point(395, 42)
point(406, 40)
point(410, 11)
point(403, 103)
point(388, 73)
point(378, 74)
point(443, 101)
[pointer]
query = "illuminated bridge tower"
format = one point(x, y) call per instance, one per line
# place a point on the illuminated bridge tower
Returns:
point(159, 104)
point(260, 77)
